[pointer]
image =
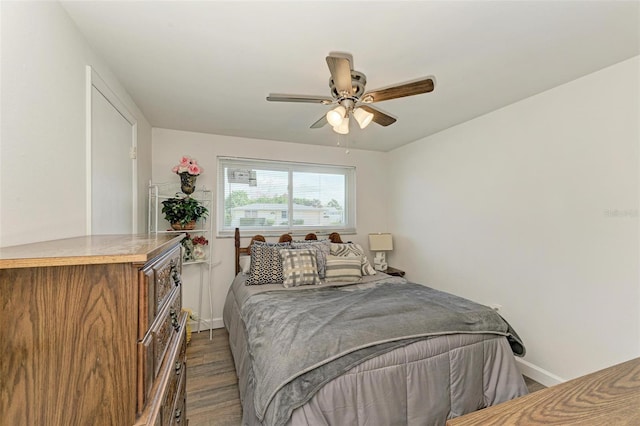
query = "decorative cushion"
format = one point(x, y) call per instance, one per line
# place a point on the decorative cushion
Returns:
point(352, 249)
point(343, 268)
point(322, 248)
point(299, 267)
point(266, 263)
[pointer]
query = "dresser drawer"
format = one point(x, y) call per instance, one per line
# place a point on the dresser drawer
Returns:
point(169, 385)
point(172, 411)
point(157, 280)
point(179, 412)
point(153, 348)
point(171, 393)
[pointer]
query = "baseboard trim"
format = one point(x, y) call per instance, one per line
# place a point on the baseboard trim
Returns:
point(538, 374)
point(207, 324)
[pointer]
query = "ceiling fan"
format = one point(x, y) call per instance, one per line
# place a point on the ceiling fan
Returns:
point(348, 91)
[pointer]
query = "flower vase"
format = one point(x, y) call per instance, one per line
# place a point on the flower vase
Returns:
point(187, 182)
point(199, 252)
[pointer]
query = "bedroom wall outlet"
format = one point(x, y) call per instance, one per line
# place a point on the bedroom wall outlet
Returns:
point(496, 307)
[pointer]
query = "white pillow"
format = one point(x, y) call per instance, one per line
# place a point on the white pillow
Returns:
point(245, 264)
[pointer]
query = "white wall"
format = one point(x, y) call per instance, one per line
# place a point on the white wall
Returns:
point(535, 207)
point(42, 139)
point(170, 145)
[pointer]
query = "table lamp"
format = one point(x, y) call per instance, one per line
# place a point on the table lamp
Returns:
point(380, 243)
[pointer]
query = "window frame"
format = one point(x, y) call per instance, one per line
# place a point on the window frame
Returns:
point(349, 173)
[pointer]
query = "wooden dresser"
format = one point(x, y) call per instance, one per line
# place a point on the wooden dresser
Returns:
point(93, 332)
point(606, 397)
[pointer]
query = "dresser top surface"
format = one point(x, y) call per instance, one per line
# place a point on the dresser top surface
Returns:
point(609, 396)
point(87, 250)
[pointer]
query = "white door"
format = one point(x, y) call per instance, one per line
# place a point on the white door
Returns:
point(112, 167)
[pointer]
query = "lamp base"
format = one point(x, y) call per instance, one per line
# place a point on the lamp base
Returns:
point(380, 261)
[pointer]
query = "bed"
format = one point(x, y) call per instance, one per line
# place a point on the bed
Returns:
point(371, 350)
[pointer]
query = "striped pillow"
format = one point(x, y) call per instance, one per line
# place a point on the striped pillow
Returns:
point(343, 269)
point(352, 249)
point(299, 267)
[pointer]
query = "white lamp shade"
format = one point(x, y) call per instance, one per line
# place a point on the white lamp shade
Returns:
point(380, 242)
point(336, 116)
point(362, 117)
point(343, 128)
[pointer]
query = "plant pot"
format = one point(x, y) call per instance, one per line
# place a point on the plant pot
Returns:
point(186, 227)
point(187, 182)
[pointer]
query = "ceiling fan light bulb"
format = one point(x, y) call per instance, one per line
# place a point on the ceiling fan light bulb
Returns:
point(343, 128)
point(336, 116)
point(362, 117)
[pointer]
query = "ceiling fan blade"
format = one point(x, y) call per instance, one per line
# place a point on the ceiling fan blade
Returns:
point(379, 117)
point(345, 55)
point(416, 87)
point(340, 68)
point(320, 123)
point(280, 97)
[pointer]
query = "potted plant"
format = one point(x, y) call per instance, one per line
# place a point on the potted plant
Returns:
point(182, 213)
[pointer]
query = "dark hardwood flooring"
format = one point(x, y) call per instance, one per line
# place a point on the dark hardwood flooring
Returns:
point(212, 385)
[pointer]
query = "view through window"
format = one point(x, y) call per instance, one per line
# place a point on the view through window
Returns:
point(276, 197)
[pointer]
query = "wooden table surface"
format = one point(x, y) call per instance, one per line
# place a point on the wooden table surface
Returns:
point(606, 397)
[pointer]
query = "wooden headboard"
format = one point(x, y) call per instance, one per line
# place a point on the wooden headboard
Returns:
point(334, 237)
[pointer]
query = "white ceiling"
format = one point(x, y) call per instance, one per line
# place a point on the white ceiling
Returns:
point(208, 66)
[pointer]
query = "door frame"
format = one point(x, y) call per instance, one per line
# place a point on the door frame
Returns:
point(93, 79)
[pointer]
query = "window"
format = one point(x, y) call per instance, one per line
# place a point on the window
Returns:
point(274, 197)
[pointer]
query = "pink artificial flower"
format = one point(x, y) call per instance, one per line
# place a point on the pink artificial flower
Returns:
point(194, 169)
point(187, 165)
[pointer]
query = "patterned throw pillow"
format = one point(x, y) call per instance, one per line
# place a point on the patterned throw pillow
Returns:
point(299, 267)
point(343, 268)
point(266, 263)
point(352, 249)
point(322, 248)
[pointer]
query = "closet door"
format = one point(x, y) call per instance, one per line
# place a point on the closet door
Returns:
point(112, 164)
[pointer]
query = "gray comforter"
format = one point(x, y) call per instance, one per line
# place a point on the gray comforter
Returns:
point(298, 341)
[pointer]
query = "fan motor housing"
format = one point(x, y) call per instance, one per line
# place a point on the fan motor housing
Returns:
point(358, 81)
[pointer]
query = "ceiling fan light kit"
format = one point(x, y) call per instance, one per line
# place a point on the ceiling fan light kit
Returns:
point(348, 91)
point(336, 115)
point(363, 117)
point(343, 127)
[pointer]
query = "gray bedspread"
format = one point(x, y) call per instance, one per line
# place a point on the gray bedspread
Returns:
point(298, 341)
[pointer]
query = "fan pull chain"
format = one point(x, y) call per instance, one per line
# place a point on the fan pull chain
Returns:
point(344, 139)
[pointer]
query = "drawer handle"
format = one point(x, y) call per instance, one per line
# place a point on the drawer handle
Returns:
point(175, 275)
point(174, 320)
point(178, 415)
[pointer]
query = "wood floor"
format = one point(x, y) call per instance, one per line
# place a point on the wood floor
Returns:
point(212, 385)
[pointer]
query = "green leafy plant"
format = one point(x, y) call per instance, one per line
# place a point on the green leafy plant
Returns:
point(183, 210)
